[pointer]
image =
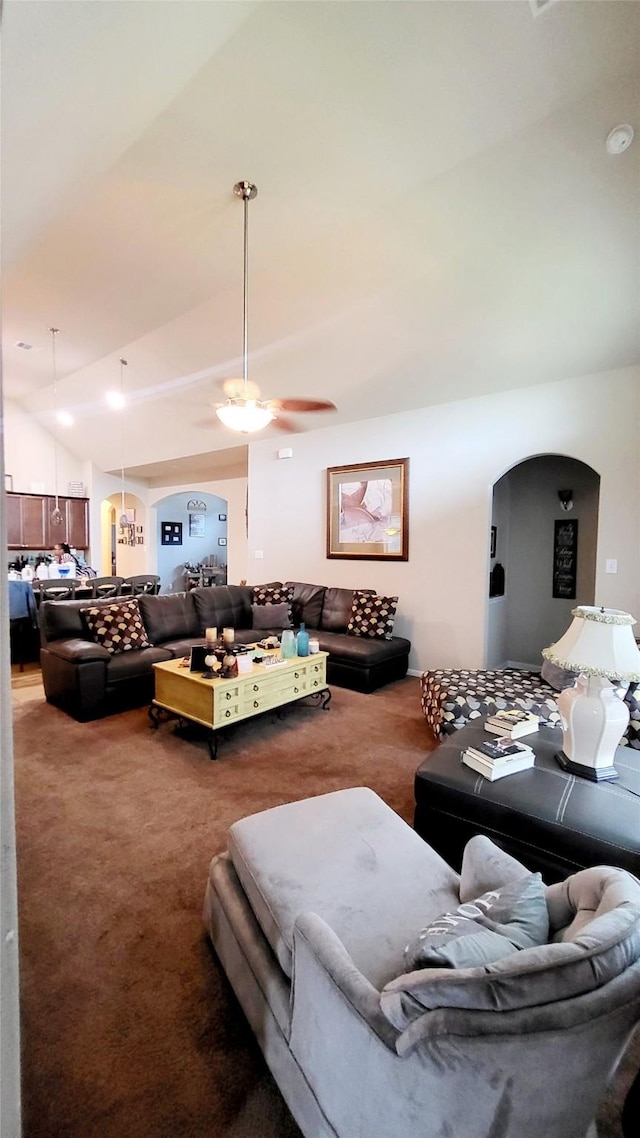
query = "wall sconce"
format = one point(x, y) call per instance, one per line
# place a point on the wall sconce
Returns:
point(566, 499)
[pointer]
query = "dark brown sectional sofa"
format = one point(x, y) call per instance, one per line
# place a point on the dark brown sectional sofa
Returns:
point(84, 679)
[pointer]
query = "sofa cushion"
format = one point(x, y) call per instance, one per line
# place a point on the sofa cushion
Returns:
point(305, 855)
point(307, 603)
point(118, 627)
point(169, 616)
point(501, 921)
point(271, 616)
point(372, 616)
point(222, 606)
point(336, 608)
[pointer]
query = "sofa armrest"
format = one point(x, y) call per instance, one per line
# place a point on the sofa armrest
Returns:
point(77, 650)
point(328, 986)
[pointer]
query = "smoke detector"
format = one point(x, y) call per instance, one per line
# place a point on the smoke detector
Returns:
point(620, 138)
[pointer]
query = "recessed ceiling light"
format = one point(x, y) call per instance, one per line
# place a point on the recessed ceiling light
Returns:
point(620, 138)
point(116, 400)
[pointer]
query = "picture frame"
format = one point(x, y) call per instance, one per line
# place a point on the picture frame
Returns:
point(565, 559)
point(222, 541)
point(222, 517)
point(494, 540)
point(197, 524)
point(171, 533)
point(368, 511)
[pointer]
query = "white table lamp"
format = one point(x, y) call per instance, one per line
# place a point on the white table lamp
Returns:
point(599, 644)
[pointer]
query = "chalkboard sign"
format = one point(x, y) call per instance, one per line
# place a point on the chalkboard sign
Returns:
point(565, 559)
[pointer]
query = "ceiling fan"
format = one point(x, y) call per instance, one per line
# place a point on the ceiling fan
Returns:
point(243, 409)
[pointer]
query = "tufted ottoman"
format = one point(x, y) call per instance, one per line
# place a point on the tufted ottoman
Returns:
point(451, 698)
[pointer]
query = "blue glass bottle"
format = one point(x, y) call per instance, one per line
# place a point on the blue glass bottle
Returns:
point(302, 641)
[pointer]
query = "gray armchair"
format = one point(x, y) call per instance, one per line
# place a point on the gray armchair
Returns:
point(310, 911)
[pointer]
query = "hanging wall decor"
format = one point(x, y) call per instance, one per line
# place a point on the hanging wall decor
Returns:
point(565, 559)
point(368, 511)
point(171, 533)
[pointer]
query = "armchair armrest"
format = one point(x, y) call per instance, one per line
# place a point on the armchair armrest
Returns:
point(76, 650)
point(325, 979)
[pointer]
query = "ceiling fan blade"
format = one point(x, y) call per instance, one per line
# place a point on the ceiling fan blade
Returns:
point(286, 424)
point(303, 404)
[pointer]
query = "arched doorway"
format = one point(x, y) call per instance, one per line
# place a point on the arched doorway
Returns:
point(191, 529)
point(528, 501)
point(123, 549)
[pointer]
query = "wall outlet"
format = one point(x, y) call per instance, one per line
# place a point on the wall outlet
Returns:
point(258, 553)
point(611, 566)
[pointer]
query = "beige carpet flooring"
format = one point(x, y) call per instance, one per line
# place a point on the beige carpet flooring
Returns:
point(129, 1028)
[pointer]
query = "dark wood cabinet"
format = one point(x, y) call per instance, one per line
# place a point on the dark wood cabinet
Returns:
point(29, 521)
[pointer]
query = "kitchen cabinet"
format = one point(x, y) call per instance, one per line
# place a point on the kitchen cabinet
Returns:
point(29, 525)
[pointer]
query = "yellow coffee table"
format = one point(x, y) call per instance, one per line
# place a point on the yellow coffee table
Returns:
point(217, 703)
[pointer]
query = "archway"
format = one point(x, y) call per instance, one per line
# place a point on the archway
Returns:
point(123, 549)
point(530, 611)
point(191, 529)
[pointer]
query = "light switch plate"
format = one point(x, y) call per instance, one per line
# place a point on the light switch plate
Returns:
point(611, 566)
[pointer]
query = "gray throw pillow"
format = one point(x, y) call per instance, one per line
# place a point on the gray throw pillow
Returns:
point(559, 678)
point(481, 931)
point(270, 616)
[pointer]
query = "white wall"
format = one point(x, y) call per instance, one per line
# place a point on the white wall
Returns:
point(29, 455)
point(457, 452)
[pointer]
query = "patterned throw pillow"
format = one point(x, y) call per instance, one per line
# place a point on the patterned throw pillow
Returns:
point(117, 627)
point(274, 595)
point(372, 616)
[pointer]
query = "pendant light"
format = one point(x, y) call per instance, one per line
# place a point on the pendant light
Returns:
point(124, 521)
point(56, 517)
point(243, 412)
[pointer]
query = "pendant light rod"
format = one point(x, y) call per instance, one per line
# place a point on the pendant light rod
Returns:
point(123, 513)
point(56, 513)
point(246, 191)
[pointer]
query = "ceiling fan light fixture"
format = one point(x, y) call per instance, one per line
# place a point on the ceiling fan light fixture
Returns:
point(244, 415)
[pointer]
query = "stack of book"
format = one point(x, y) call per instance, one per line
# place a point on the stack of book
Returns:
point(497, 759)
point(512, 723)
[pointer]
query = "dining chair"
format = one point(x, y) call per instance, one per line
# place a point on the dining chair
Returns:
point(140, 583)
point(63, 589)
point(105, 586)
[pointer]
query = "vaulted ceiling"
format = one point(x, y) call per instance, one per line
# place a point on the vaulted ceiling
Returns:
point(437, 216)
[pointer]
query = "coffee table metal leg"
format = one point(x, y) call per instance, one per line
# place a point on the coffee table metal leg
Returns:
point(322, 697)
point(154, 714)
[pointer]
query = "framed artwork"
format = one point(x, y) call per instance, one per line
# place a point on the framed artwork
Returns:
point(565, 559)
point(197, 525)
point(171, 533)
point(222, 517)
point(367, 511)
point(222, 541)
point(494, 540)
